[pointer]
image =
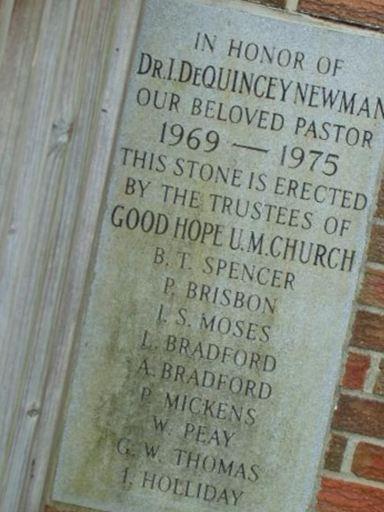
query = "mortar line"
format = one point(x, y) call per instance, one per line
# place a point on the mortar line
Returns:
point(351, 478)
point(359, 437)
point(292, 5)
point(349, 452)
point(374, 265)
point(365, 351)
point(363, 395)
point(370, 309)
point(372, 373)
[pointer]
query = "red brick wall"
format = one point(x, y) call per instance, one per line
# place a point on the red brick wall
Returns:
point(353, 478)
point(353, 474)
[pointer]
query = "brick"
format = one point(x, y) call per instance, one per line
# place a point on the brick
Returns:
point(372, 291)
point(368, 462)
point(365, 417)
point(335, 452)
point(379, 384)
point(272, 3)
point(362, 12)
point(368, 331)
point(380, 201)
point(376, 245)
point(355, 372)
point(341, 496)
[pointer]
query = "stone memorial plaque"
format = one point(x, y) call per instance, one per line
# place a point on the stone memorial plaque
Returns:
point(229, 253)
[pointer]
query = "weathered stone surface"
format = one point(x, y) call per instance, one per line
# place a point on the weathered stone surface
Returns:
point(209, 340)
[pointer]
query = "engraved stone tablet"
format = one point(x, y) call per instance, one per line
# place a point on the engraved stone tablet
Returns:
point(228, 258)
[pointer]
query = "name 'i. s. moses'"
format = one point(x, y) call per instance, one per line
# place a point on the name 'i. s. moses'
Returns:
point(229, 253)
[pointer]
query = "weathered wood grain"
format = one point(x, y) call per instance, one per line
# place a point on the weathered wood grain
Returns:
point(63, 70)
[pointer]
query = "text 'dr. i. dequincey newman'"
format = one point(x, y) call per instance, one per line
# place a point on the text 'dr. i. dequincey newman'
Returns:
point(228, 258)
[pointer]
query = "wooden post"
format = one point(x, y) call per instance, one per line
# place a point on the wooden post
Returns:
point(63, 68)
